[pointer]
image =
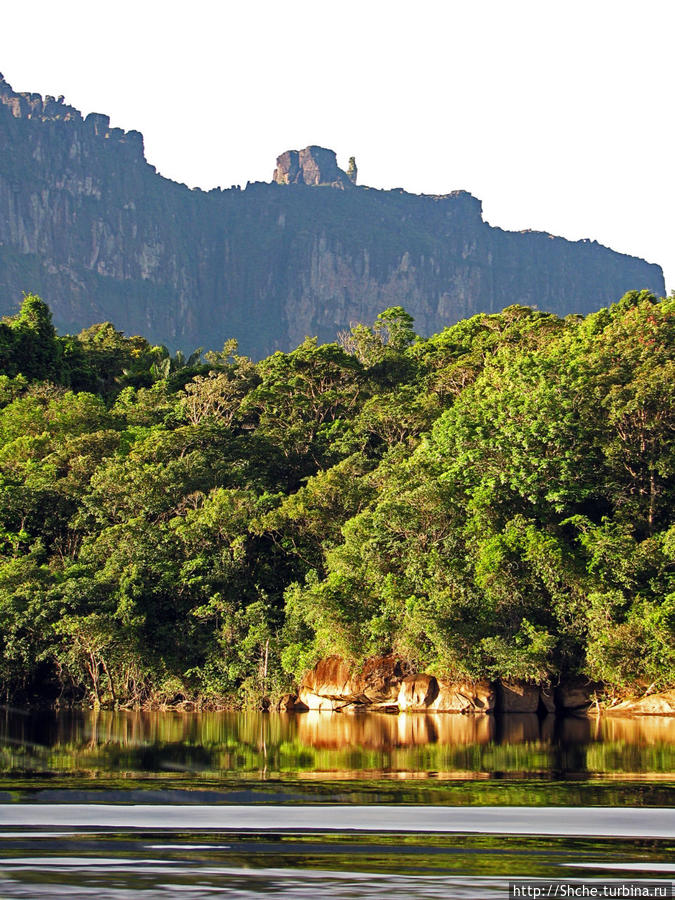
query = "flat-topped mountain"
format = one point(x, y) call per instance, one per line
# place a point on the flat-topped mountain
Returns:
point(88, 224)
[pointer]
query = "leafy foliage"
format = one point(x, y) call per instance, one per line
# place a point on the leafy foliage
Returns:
point(494, 501)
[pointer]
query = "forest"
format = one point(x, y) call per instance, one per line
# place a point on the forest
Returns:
point(493, 501)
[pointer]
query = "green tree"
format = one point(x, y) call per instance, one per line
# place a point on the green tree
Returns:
point(36, 352)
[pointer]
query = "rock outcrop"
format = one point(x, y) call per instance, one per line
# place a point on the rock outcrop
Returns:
point(662, 704)
point(89, 225)
point(524, 697)
point(379, 681)
point(417, 692)
point(311, 166)
point(331, 685)
point(464, 697)
point(330, 677)
point(328, 686)
point(385, 682)
point(576, 693)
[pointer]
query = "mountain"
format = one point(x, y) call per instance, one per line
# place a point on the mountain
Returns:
point(89, 224)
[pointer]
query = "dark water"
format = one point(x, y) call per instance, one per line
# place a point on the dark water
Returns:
point(187, 805)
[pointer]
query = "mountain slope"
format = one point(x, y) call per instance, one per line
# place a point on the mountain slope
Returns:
point(87, 223)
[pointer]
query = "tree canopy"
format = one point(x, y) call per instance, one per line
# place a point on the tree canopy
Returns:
point(493, 501)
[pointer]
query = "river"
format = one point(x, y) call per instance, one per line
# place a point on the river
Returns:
point(166, 804)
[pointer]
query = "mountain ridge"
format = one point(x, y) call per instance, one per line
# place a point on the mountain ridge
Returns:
point(87, 222)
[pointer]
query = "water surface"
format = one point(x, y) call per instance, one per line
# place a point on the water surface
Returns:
point(315, 745)
point(200, 805)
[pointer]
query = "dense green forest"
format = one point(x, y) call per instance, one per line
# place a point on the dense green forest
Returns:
point(495, 500)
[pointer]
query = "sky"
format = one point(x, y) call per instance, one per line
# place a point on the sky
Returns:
point(557, 115)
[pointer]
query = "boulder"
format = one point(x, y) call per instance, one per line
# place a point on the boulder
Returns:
point(313, 165)
point(417, 692)
point(312, 701)
point(379, 680)
point(464, 697)
point(287, 703)
point(330, 677)
point(576, 693)
point(662, 704)
point(547, 698)
point(518, 697)
point(377, 683)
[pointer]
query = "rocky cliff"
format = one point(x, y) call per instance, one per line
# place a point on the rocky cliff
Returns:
point(313, 165)
point(88, 224)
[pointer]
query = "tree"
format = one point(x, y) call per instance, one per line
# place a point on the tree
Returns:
point(302, 399)
point(37, 352)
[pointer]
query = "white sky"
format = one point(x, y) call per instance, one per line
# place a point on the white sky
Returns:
point(557, 115)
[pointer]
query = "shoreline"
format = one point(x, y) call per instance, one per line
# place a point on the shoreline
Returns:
point(625, 710)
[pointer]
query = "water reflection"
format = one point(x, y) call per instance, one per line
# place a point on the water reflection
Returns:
point(316, 742)
point(386, 732)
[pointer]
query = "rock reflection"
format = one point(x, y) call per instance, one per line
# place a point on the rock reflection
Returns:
point(519, 727)
point(415, 730)
point(643, 730)
point(338, 745)
point(457, 729)
point(324, 730)
point(577, 730)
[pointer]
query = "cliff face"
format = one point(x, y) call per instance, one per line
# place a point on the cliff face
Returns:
point(88, 224)
point(313, 165)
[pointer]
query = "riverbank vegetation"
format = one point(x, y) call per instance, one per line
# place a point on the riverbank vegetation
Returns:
point(493, 501)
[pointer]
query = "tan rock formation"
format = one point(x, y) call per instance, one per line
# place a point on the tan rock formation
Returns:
point(662, 704)
point(312, 166)
point(380, 679)
point(287, 703)
point(331, 678)
point(417, 692)
point(464, 697)
point(521, 697)
point(313, 701)
point(385, 682)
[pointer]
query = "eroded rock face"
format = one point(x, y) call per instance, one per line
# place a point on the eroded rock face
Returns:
point(576, 693)
point(312, 701)
point(288, 703)
point(417, 692)
point(385, 682)
point(88, 224)
point(380, 679)
point(311, 166)
point(328, 687)
point(332, 679)
point(464, 697)
point(524, 697)
point(662, 704)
